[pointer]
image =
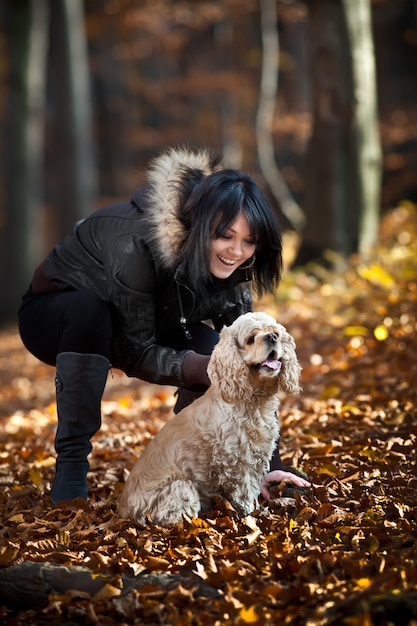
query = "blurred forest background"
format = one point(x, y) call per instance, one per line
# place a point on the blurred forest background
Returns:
point(315, 99)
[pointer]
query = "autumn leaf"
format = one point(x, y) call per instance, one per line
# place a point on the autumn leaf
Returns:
point(335, 555)
point(248, 615)
point(381, 332)
point(35, 477)
point(377, 275)
point(352, 331)
point(106, 593)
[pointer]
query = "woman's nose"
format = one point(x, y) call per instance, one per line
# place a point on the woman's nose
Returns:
point(236, 247)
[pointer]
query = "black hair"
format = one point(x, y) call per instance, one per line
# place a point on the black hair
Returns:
point(214, 202)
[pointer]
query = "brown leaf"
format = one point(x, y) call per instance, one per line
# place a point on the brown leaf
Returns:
point(328, 556)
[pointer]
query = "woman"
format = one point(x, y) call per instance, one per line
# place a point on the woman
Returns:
point(146, 286)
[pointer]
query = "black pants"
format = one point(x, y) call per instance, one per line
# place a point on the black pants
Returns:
point(78, 321)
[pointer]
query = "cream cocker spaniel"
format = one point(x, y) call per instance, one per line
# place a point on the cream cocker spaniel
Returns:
point(222, 443)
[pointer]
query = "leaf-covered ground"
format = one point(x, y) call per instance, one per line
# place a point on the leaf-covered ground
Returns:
point(344, 554)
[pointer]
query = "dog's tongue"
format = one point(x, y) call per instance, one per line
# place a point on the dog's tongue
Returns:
point(273, 365)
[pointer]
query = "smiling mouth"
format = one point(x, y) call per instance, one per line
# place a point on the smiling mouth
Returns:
point(225, 261)
point(271, 363)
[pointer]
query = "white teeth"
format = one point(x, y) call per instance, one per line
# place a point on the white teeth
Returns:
point(226, 261)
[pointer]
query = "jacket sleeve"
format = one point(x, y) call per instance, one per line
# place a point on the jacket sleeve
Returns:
point(131, 278)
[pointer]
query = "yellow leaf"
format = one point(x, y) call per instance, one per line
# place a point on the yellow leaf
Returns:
point(329, 469)
point(196, 526)
point(350, 408)
point(408, 205)
point(249, 615)
point(353, 331)
point(18, 518)
point(106, 592)
point(377, 275)
point(8, 554)
point(381, 332)
point(197, 522)
point(371, 453)
point(35, 477)
point(121, 542)
point(332, 391)
point(363, 583)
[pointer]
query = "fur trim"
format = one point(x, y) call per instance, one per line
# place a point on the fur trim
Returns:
point(162, 200)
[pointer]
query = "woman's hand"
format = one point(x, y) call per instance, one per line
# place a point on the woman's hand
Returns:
point(277, 476)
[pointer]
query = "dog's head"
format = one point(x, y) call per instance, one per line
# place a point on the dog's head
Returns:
point(254, 355)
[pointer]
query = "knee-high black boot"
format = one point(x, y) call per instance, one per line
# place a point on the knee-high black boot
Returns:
point(80, 381)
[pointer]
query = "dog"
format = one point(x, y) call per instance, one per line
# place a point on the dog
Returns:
point(222, 443)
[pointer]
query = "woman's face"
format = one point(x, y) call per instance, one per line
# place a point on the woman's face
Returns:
point(232, 249)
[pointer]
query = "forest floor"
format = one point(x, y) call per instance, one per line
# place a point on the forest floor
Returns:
point(346, 553)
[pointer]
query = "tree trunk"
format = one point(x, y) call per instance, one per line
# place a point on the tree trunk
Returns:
point(366, 144)
point(28, 585)
point(340, 201)
point(265, 116)
point(228, 101)
point(74, 173)
point(326, 201)
point(21, 224)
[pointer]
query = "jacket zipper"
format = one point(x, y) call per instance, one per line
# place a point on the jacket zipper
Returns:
point(183, 319)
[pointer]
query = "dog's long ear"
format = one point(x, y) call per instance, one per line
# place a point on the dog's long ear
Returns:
point(290, 373)
point(227, 370)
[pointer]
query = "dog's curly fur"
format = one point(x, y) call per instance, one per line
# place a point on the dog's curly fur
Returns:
point(222, 443)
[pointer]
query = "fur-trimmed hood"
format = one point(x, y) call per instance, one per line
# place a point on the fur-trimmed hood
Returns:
point(129, 255)
point(162, 198)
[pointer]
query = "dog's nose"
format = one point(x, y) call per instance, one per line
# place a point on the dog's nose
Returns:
point(271, 338)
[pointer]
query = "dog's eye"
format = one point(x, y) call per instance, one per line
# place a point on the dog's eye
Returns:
point(250, 340)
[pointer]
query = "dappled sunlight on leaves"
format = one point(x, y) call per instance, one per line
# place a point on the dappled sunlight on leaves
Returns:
point(345, 553)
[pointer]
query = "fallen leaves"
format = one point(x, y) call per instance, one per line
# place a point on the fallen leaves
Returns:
point(345, 553)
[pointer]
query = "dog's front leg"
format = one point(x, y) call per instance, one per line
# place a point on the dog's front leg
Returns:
point(244, 498)
point(243, 508)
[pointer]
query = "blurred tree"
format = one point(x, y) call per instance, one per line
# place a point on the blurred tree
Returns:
point(366, 142)
point(265, 115)
point(75, 188)
point(201, 72)
point(30, 39)
point(21, 229)
point(343, 166)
